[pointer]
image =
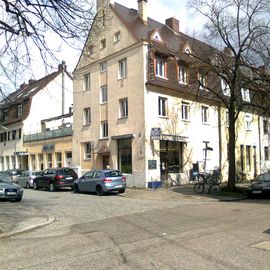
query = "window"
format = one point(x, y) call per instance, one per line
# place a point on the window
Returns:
point(125, 155)
point(204, 114)
point(183, 74)
point(245, 94)
point(160, 67)
point(202, 81)
point(122, 69)
point(19, 110)
point(58, 159)
point(266, 153)
point(87, 116)
point(185, 111)
point(33, 162)
point(225, 88)
point(49, 160)
point(103, 67)
point(87, 150)
point(103, 94)
point(103, 44)
point(40, 160)
point(104, 129)
point(227, 120)
point(13, 135)
point(265, 126)
point(123, 104)
point(86, 82)
point(248, 156)
point(5, 115)
point(248, 120)
point(117, 37)
point(90, 50)
point(162, 106)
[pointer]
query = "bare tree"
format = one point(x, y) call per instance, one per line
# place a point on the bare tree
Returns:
point(243, 28)
point(31, 28)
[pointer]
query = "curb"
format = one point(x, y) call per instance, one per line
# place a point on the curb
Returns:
point(28, 228)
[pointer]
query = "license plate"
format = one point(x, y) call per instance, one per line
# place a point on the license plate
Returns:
point(119, 186)
point(11, 193)
point(256, 191)
point(69, 178)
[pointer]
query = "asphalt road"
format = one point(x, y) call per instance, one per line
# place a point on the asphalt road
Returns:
point(127, 232)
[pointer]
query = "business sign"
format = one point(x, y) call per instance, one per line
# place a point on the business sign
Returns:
point(155, 133)
point(48, 147)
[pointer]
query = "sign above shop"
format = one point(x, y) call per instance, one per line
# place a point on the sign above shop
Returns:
point(173, 138)
point(155, 133)
point(21, 153)
point(48, 147)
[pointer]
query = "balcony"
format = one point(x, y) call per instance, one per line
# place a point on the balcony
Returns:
point(49, 134)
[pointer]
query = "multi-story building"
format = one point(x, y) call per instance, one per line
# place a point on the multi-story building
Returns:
point(36, 123)
point(141, 103)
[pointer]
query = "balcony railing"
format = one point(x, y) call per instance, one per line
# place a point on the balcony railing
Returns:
point(56, 133)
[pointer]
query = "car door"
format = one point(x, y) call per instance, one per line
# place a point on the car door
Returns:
point(22, 179)
point(85, 182)
point(97, 176)
point(47, 177)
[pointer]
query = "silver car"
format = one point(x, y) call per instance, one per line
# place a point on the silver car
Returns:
point(27, 178)
point(100, 182)
point(8, 189)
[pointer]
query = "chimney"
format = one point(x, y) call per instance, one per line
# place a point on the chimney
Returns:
point(30, 81)
point(142, 10)
point(22, 86)
point(173, 24)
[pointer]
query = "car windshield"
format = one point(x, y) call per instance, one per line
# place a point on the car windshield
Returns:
point(5, 178)
point(264, 177)
point(113, 174)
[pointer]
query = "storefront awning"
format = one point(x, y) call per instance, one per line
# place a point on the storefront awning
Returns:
point(125, 136)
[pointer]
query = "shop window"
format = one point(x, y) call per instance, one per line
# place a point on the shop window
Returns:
point(125, 155)
point(40, 160)
point(58, 159)
point(49, 160)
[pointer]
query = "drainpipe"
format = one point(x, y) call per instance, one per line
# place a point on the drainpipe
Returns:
point(260, 143)
point(219, 136)
point(63, 91)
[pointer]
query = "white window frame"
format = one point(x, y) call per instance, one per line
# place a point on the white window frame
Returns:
point(86, 82)
point(225, 88)
point(185, 111)
point(104, 129)
point(122, 69)
point(123, 108)
point(103, 66)
point(162, 106)
point(182, 74)
point(160, 67)
point(19, 110)
point(117, 37)
point(103, 94)
point(205, 114)
point(87, 150)
point(248, 121)
point(203, 81)
point(86, 116)
point(245, 94)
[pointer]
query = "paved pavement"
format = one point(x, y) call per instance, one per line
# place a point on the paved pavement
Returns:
point(14, 220)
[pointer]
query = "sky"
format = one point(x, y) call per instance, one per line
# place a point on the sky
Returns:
point(159, 10)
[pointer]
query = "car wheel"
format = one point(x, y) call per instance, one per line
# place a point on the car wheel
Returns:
point(99, 191)
point(35, 186)
point(121, 190)
point(27, 185)
point(76, 189)
point(52, 187)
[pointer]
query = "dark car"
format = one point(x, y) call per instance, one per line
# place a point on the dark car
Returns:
point(100, 182)
point(55, 178)
point(26, 179)
point(261, 186)
point(9, 190)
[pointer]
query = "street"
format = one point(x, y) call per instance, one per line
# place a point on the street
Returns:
point(129, 232)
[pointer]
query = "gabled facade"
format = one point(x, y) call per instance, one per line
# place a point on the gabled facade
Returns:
point(24, 121)
point(141, 103)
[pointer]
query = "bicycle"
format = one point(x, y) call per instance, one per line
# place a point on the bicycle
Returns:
point(211, 181)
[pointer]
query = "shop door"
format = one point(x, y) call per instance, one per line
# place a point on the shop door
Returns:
point(106, 162)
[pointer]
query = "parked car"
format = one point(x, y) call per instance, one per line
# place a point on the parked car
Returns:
point(261, 186)
point(8, 189)
point(55, 178)
point(14, 173)
point(100, 182)
point(26, 179)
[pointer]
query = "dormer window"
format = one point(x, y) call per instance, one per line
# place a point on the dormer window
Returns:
point(225, 88)
point(157, 37)
point(160, 67)
point(187, 50)
point(245, 94)
point(19, 110)
point(202, 81)
point(182, 74)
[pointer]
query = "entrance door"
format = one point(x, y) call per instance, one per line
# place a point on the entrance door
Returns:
point(106, 162)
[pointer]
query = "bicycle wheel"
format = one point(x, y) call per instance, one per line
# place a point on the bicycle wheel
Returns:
point(215, 190)
point(199, 188)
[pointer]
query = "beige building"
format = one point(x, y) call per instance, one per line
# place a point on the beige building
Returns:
point(140, 104)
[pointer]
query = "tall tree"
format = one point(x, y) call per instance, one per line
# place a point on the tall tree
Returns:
point(29, 30)
point(243, 28)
